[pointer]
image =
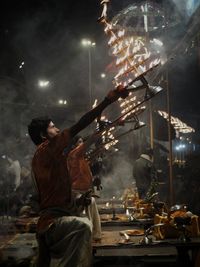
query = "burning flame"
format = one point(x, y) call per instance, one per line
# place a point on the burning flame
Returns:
point(178, 125)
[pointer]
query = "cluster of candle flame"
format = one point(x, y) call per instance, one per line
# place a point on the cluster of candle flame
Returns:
point(178, 125)
point(127, 107)
point(107, 136)
point(133, 60)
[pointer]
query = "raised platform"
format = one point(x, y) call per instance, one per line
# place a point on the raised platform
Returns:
point(19, 249)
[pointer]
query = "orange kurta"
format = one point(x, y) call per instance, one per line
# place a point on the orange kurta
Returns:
point(79, 170)
point(50, 170)
point(51, 176)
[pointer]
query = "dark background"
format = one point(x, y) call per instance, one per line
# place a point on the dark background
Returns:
point(47, 35)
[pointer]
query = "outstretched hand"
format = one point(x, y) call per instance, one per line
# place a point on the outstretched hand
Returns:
point(115, 94)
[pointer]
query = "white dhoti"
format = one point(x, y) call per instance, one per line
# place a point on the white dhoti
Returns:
point(93, 215)
point(69, 242)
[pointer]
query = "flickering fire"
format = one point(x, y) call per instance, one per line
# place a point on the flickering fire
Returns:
point(178, 125)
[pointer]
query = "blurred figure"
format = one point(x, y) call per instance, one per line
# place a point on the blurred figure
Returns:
point(11, 184)
point(15, 170)
point(143, 172)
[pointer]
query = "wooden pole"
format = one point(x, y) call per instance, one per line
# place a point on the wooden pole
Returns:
point(171, 189)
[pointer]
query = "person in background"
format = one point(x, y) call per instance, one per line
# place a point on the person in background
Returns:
point(15, 169)
point(12, 184)
point(61, 232)
point(81, 177)
point(143, 171)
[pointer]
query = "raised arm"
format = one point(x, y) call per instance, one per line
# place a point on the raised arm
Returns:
point(90, 116)
point(63, 140)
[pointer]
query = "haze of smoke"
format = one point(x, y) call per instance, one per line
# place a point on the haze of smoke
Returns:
point(119, 178)
point(53, 56)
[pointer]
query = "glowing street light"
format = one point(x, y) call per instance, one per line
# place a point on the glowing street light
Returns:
point(88, 44)
point(22, 64)
point(62, 102)
point(103, 75)
point(43, 83)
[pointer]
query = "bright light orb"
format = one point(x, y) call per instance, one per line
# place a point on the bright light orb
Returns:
point(43, 83)
point(62, 102)
point(87, 42)
point(158, 42)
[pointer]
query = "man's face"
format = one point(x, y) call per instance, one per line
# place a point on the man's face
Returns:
point(52, 130)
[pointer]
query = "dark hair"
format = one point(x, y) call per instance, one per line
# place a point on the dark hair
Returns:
point(37, 127)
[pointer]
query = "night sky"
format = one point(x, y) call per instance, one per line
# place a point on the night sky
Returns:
point(47, 35)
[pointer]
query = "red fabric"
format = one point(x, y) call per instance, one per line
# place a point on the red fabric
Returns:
point(79, 169)
point(51, 175)
point(50, 170)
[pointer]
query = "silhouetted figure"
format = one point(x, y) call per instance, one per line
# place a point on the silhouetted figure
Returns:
point(143, 171)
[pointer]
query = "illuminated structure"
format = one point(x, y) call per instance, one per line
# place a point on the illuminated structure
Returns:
point(134, 59)
point(178, 125)
point(145, 16)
